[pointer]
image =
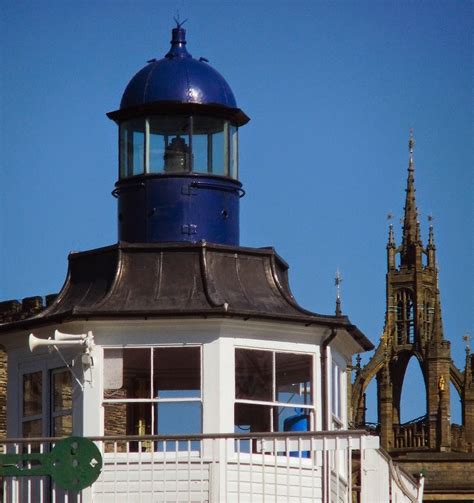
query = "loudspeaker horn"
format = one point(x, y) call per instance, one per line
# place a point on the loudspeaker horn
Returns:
point(60, 336)
point(36, 342)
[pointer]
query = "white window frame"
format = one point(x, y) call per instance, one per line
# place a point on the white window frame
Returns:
point(311, 408)
point(47, 415)
point(338, 399)
point(153, 400)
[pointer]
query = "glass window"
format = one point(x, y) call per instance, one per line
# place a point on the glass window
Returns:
point(233, 152)
point(33, 394)
point(293, 378)
point(177, 372)
point(202, 153)
point(33, 428)
point(127, 373)
point(169, 144)
point(57, 420)
point(219, 154)
point(32, 407)
point(253, 417)
point(178, 418)
point(62, 426)
point(61, 384)
point(210, 154)
point(253, 374)
point(118, 419)
point(152, 390)
point(132, 148)
point(282, 380)
point(62, 390)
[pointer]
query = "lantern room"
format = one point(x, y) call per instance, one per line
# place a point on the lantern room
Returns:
point(178, 152)
point(174, 143)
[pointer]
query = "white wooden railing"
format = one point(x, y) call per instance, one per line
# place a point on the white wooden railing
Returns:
point(235, 468)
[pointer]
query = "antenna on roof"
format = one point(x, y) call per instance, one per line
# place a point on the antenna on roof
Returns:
point(177, 21)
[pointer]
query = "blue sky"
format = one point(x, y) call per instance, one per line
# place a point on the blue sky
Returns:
point(332, 89)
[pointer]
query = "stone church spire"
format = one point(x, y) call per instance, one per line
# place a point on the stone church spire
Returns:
point(411, 227)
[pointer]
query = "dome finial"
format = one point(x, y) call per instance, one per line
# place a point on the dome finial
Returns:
point(178, 41)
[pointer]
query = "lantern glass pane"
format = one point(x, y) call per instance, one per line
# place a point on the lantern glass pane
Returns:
point(169, 144)
point(132, 148)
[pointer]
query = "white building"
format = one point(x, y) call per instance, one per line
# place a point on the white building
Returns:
point(198, 375)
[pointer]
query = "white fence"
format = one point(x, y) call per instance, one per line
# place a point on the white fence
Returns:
point(298, 467)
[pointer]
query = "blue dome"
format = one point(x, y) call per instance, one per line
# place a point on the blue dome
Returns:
point(178, 77)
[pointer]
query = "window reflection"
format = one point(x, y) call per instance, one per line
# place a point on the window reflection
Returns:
point(33, 428)
point(62, 426)
point(32, 394)
point(253, 374)
point(62, 390)
point(61, 383)
point(293, 378)
point(127, 373)
point(252, 418)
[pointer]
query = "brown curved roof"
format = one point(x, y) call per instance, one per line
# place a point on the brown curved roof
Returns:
point(180, 279)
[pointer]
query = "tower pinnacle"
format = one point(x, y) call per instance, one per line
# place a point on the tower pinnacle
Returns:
point(431, 243)
point(391, 237)
point(337, 282)
point(391, 246)
point(411, 228)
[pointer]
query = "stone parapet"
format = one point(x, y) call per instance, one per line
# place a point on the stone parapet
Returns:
point(15, 310)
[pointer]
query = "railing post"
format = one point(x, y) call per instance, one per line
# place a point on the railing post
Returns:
point(217, 475)
point(326, 471)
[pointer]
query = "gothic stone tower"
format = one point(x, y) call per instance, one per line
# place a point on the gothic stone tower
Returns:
point(413, 328)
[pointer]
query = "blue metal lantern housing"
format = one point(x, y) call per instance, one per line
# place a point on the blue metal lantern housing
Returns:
point(178, 142)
